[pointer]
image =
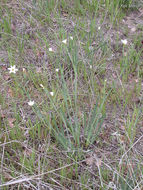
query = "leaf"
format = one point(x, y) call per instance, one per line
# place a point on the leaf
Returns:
point(122, 127)
point(89, 161)
point(65, 14)
point(27, 152)
point(7, 176)
point(122, 139)
point(39, 53)
point(2, 115)
point(10, 92)
point(6, 77)
point(13, 27)
point(4, 68)
point(11, 121)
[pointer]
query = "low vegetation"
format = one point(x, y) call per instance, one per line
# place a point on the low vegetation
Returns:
point(71, 98)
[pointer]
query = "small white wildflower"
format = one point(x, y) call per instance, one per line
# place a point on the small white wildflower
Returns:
point(57, 70)
point(90, 66)
point(51, 50)
point(12, 69)
point(42, 86)
point(124, 41)
point(31, 103)
point(65, 41)
point(99, 27)
point(71, 37)
point(24, 70)
point(52, 93)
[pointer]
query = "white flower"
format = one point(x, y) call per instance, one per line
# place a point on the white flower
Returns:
point(52, 93)
point(41, 85)
point(99, 27)
point(12, 69)
point(71, 37)
point(50, 49)
point(90, 66)
point(31, 103)
point(57, 70)
point(124, 41)
point(24, 70)
point(65, 41)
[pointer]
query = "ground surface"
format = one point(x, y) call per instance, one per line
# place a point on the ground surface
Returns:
point(84, 129)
